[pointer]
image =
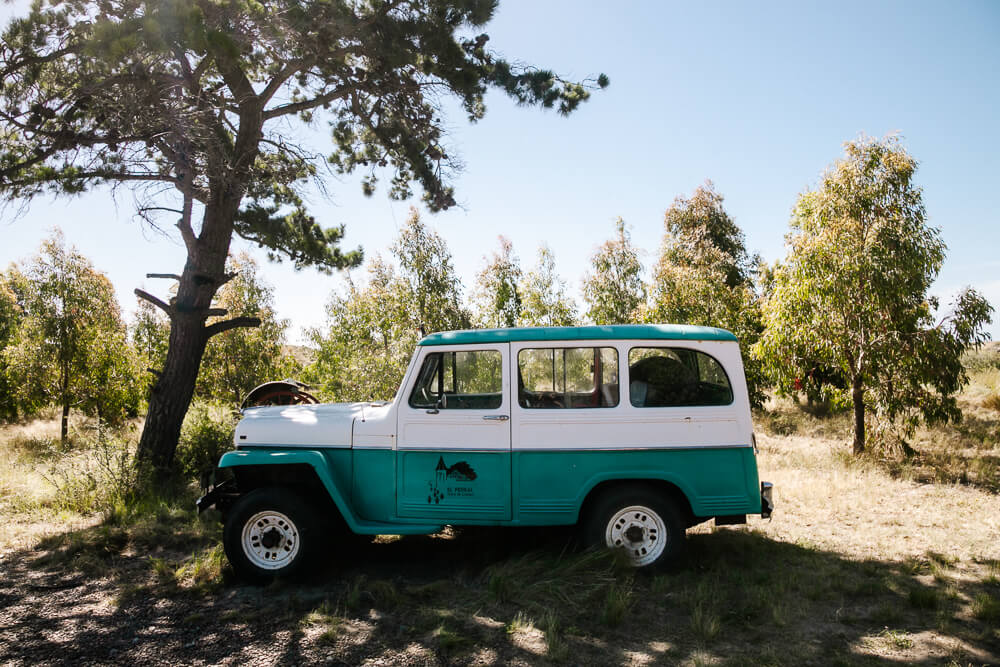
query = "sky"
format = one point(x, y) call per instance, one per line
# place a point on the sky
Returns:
point(757, 97)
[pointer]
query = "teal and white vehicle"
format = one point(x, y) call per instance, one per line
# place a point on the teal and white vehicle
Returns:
point(632, 432)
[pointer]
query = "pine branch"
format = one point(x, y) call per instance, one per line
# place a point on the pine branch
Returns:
point(234, 323)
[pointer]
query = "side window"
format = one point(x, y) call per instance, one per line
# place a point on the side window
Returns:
point(459, 381)
point(567, 377)
point(672, 376)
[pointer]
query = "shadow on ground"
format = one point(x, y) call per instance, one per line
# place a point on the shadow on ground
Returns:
point(500, 596)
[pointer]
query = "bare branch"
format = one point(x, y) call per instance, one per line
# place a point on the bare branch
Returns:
point(170, 276)
point(296, 107)
point(234, 323)
point(143, 294)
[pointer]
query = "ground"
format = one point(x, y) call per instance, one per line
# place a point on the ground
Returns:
point(865, 562)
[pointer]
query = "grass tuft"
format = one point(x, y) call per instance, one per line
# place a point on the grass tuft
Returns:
point(924, 598)
point(986, 608)
point(556, 648)
point(705, 622)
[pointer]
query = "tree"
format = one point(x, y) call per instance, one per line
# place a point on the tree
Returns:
point(705, 277)
point(614, 291)
point(852, 295)
point(544, 302)
point(71, 346)
point(10, 319)
point(150, 335)
point(371, 330)
point(191, 102)
point(496, 298)
point(426, 268)
point(241, 359)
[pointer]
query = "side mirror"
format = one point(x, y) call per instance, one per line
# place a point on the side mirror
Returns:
point(442, 403)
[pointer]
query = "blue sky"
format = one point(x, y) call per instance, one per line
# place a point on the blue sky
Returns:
point(757, 97)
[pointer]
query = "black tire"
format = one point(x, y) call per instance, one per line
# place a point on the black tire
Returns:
point(269, 533)
point(645, 523)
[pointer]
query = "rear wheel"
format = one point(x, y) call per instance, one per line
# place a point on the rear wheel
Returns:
point(645, 524)
point(270, 533)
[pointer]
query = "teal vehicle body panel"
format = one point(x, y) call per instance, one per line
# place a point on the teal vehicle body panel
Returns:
point(374, 484)
point(569, 334)
point(454, 486)
point(551, 486)
point(331, 467)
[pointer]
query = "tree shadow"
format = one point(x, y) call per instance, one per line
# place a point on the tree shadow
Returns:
point(501, 596)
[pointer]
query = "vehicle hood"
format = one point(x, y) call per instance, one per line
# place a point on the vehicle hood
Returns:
point(322, 425)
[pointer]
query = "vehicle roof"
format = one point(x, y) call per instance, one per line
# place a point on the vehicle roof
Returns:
point(608, 332)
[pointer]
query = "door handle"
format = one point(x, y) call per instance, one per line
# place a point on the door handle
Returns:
point(496, 418)
point(433, 411)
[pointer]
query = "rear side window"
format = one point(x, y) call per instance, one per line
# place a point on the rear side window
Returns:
point(567, 377)
point(469, 380)
point(673, 376)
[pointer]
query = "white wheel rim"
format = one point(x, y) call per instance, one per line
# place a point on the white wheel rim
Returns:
point(640, 531)
point(270, 540)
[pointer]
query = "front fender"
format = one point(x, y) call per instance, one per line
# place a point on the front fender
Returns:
point(312, 458)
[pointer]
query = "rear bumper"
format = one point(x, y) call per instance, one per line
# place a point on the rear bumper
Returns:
point(766, 499)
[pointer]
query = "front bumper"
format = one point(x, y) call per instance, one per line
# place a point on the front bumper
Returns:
point(766, 499)
point(220, 495)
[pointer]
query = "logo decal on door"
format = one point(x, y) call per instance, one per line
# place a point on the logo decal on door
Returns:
point(448, 481)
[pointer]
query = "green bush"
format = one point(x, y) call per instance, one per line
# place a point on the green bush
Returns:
point(100, 478)
point(207, 433)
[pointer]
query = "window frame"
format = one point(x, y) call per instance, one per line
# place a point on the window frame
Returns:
point(628, 368)
point(563, 346)
point(444, 369)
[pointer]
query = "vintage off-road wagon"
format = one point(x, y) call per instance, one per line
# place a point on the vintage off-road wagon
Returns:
point(633, 432)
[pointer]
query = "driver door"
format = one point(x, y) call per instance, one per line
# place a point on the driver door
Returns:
point(453, 445)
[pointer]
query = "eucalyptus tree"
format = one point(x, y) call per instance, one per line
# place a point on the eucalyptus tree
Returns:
point(193, 102)
point(705, 276)
point(853, 295)
point(614, 290)
point(10, 318)
point(371, 329)
point(70, 348)
point(428, 273)
point(544, 301)
point(496, 297)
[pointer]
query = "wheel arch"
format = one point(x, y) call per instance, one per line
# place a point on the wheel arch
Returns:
point(304, 473)
point(662, 487)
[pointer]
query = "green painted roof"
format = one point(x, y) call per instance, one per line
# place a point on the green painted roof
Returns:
point(611, 332)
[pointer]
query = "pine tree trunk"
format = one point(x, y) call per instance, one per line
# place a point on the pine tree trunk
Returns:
point(203, 274)
point(858, 395)
point(171, 395)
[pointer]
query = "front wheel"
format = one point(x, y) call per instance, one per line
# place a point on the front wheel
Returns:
point(643, 523)
point(269, 532)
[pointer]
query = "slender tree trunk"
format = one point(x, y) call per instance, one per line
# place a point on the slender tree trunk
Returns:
point(858, 395)
point(64, 387)
point(64, 426)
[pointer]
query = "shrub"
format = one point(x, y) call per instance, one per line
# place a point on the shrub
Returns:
point(101, 479)
point(206, 434)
